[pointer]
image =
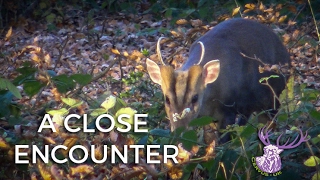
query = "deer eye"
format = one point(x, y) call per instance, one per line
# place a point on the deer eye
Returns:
point(194, 99)
point(167, 100)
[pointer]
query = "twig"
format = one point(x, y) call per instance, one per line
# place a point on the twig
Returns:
point(61, 51)
point(121, 73)
point(94, 78)
point(170, 58)
point(314, 20)
point(298, 13)
point(253, 58)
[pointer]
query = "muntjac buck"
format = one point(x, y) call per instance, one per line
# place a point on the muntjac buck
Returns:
point(221, 77)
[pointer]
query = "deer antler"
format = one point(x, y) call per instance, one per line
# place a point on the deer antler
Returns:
point(203, 50)
point(293, 144)
point(264, 138)
point(159, 51)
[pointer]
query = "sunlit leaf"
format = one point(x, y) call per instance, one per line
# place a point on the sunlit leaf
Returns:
point(72, 102)
point(109, 102)
point(98, 112)
point(131, 112)
point(235, 11)
point(312, 161)
point(58, 119)
point(316, 176)
point(62, 112)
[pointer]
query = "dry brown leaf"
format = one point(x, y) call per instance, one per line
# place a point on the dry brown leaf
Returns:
point(35, 58)
point(292, 9)
point(86, 169)
point(282, 19)
point(8, 35)
point(210, 149)
point(195, 149)
point(183, 155)
point(286, 38)
point(47, 59)
point(57, 95)
point(279, 6)
point(172, 45)
point(69, 142)
point(49, 140)
point(98, 152)
point(250, 6)
point(235, 11)
point(275, 68)
point(42, 78)
point(261, 18)
point(261, 69)
point(4, 144)
point(272, 19)
point(57, 173)
point(137, 53)
point(176, 34)
point(34, 49)
point(295, 34)
point(246, 10)
point(196, 23)
point(125, 53)
point(261, 7)
point(270, 10)
point(45, 174)
point(130, 141)
point(175, 172)
point(115, 51)
point(181, 22)
point(140, 67)
point(291, 23)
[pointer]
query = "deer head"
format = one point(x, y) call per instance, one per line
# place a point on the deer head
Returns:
point(183, 90)
point(270, 161)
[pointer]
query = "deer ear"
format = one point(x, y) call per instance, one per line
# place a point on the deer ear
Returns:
point(211, 71)
point(154, 71)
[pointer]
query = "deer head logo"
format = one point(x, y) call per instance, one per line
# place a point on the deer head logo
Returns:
point(270, 161)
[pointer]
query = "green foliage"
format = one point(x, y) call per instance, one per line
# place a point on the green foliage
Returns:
point(6, 84)
point(32, 85)
point(8, 109)
point(145, 52)
point(66, 83)
point(137, 87)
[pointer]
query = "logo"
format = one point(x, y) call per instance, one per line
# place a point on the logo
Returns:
point(269, 164)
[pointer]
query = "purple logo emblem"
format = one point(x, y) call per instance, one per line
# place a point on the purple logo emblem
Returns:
point(270, 161)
